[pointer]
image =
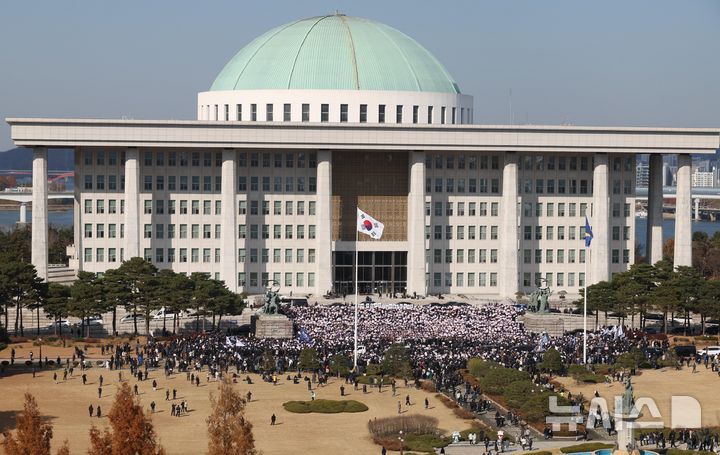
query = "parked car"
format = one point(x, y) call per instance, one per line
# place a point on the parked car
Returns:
point(59, 323)
point(712, 351)
point(129, 318)
point(163, 313)
point(94, 320)
point(653, 317)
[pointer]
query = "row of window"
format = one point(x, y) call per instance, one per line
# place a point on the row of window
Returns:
point(292, 184)
point(473, 185)
point(462, 279)
point(446, 116)
point(206, 159)
point(288, 256)
point(550, 231)
point(207, 183)
point(263, 231)
point(208, 207)
point(263, 207)
point(209, 231)
point(558, 256)
point(286, 282)
point(473, 232)
point(472, 162)
point(479, 208)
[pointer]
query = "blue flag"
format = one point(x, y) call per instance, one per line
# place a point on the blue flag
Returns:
point(588, 233)
point(303, 337)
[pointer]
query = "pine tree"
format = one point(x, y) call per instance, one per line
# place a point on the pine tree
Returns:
point(228, 430)
point(131, 433)
point(33, 436)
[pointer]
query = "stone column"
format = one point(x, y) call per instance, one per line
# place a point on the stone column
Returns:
point(683, 228)
point(228, 254)
point(324, 278)
point(416, 224)
point(509, 273)
point(132, 203)
point(600, 247)
point(23, 213)
point(655, 215)
point(39, 253)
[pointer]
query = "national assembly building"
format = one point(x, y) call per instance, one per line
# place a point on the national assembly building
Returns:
point(321, 116)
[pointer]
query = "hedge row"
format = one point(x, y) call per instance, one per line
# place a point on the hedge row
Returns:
point(324, 406)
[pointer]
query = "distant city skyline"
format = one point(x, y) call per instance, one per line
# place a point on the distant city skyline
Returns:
point(616, 63)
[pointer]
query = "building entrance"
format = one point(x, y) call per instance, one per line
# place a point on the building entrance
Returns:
point(379, 272)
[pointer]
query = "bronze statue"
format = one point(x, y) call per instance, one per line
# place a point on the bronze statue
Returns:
point(272, 301)
point(539, 298)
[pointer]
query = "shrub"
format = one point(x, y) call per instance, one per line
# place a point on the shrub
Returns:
point(479, 367)
point(463, 413)
point(3, 346)
point(586, 447)
point(448, 402)
point(592, 378)
point(517, 392)
point(425, 442)
point(428, 386)
point(409, 424)
point(309, 360)
point(373, 369)
point(577, 370)
point(324, 406)
point(396, 361)
point(340, 364)
point(498, 378)
point(4, 337)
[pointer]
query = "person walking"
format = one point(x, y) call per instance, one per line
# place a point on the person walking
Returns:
point(427, 403)
point(99, 412)
point(135, 389)
point(154, 385)
point(84, 378)
point(55, 377)
point(167, 395)
point(174, 393)
point(90, 410)
point(342, 390)
point(407, 400)
point(249, 396)
point(399, 407)
point(152, 407)
point(101, 379)
point(273, 419)
point(99, 392)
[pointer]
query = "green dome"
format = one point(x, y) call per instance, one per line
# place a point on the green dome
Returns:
point(335, 52)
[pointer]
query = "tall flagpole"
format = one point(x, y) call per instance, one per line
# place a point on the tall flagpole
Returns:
point(355, 350)
point(587, 259)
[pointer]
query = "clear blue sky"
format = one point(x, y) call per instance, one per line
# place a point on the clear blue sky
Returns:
point(615, 62)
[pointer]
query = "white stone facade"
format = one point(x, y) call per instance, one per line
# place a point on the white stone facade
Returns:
point(483, 201)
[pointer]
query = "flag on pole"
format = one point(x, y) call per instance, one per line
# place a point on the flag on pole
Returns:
point(588, 233)
point(369, 225)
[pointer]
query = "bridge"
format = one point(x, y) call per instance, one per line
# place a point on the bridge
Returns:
point(24, 195)
point(697, 194)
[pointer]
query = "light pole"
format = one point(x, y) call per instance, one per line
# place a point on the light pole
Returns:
point(41, 357)
point(402, 441)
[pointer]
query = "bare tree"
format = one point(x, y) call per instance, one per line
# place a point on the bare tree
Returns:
point(229, 432)
point(131, 432)
point(33, 435)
